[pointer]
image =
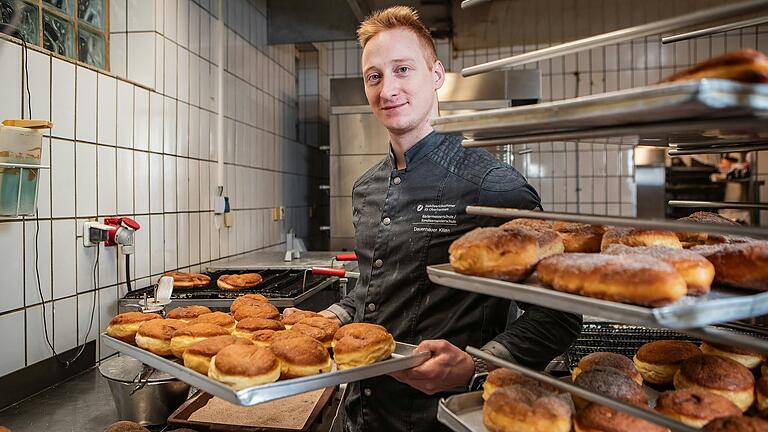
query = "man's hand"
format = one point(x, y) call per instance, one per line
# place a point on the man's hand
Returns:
point(328, 314)
point(448, 368)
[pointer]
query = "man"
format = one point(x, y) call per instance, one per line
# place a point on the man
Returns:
point(408, 209)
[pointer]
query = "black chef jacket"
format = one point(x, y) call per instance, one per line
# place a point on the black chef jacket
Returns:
point(404, 221)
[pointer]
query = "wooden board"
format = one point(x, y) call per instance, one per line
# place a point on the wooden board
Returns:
point(181, 417)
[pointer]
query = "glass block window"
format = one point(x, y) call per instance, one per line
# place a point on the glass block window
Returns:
point(77, 29)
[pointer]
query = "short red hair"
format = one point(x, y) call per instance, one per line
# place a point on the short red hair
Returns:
point(404, 17)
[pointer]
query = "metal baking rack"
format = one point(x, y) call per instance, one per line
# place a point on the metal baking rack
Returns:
point(402, 358)
point(463, 413)
point(705, 113)
point(622, 35)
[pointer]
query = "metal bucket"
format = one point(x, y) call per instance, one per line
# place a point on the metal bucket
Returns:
point(142, 394)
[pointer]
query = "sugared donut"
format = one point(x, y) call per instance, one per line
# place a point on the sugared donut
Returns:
point(359, 344)
point(121, 426)
point(695, 407)
point(187, 313)
point(500, 378)
point(155, 335)
point(192, 333)
point(198, 355)
point(256, 310)
point(719, 375)
point(608, 359)
point(319, 328)
point(248, 326)
point(600, 418)
point(748, 358)
point(737, 424)
point(125, 325)
point(221, 319)
point(243, 366)
point(517, 408)
point(300, 356)
point(658, 361)
point(297, 316)
point(247, 299)
point(611, 383)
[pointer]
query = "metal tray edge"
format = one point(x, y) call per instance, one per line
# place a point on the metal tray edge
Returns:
point(446, 416)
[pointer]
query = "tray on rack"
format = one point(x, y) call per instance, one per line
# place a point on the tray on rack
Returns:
point(655, 104)
point(462, 412)
point(402, 358)
point(719, 306)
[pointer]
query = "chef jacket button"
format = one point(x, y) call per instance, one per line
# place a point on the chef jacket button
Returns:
point(387, 221)
point(371, 307)
point(396, 180)
point(378, 263)
point(367, 392)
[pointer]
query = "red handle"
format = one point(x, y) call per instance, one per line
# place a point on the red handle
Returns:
point(346, 257)
point(329, 271)
point(130, 223)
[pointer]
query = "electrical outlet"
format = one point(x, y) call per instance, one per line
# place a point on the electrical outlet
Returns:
point(278, 213)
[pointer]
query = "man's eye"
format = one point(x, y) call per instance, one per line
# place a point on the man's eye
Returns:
point(373, 77)
point(403, 69)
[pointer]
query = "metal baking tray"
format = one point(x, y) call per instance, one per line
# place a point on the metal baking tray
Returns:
point(464, 412)
point(720, 305)
point(696, 101)
point(402, 358)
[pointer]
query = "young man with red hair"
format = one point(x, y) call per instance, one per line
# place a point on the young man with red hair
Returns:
point(407, 210)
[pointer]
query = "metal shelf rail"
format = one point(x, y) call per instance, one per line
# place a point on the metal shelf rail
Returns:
point(714, 30)
point(622, 35)
point(718, 205)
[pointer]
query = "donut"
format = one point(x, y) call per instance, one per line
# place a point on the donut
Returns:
point(296, 316)
point(748, 358)
point(579, 237)
point(600, 418)
point(658, 361)
point(192, 333)
point(125, 325)
point(221, 319)
point(121, 426)
point(517, 408)
point(359, 344)
point(198, 355)
point(635, 279)
point(695, 407)
point(607, 359)
point(247, 299)
point(183, 280)
point(187, 313)
point(248, 326)
point(319, 328)
point(611, 383)
point(504, 253)
point(536, 224)
point(639, 237)
point(719, 375)
point(243, 366)
point(257, 310)
point(500, 378)
point(698, 238)
point(155, 336)
point(237, 282)
point(300, 356)
point(697, 271)
point(761, 395)
point(741, 265)
point(737, 424)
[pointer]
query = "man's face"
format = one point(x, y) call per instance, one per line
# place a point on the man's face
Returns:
point(399, 84)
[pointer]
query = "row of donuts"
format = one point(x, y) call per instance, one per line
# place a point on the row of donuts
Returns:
point(253, 345)
point(714, 388)
point(643, 267)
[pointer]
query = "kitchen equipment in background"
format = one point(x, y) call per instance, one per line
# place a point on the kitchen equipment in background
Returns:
point(358, 140)
point(21, 151)
point(115, 231)
point(141, 393)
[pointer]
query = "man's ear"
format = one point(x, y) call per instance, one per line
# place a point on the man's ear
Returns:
point(438, 72)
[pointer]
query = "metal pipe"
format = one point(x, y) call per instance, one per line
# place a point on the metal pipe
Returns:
point(718, 205)
point(715, 150)
point(469, 3)
point(718, 335)
point(621, 35)
point(616, 404)
point(620, 221)
point(713, 30)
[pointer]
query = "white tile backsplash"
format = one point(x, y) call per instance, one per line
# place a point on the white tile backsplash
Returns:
point(85, 179)
point(11, 261)
point(65, 324)
point(12, 338)
point(125, 112)
point(85, 104)
point(39, 67)
point(156, 122)
point(125, 182)
point(169, 125)
point(10, 76)
point(141, 57)
point(37, 344)
point(43, 248)
point(62, 178)
point(62, 98)
point(64, 258)
point(107, 181)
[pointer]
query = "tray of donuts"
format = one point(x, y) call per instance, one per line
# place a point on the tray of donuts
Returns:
point(648, 277)
point(253, 355)
point(668, 385)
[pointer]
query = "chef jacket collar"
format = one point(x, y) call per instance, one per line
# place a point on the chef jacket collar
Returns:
point(422, 148)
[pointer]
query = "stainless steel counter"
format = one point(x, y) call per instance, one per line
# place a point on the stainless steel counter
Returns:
point(274, 260)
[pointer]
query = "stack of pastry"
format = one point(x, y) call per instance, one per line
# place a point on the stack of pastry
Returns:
point(746, 65)
point(183, 280)
point(237, 282)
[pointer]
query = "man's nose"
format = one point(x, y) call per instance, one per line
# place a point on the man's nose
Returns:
point(389, 88)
